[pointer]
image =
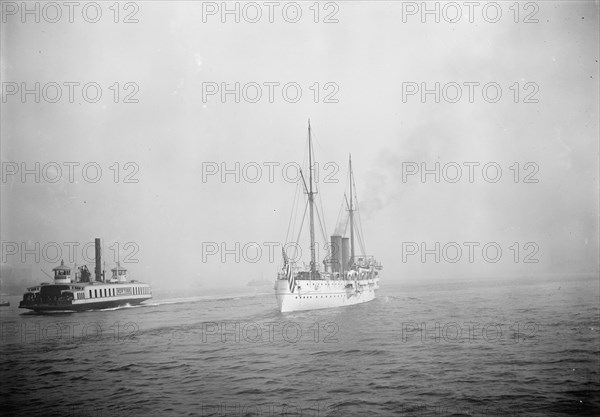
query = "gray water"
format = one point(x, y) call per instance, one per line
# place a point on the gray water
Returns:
point(508, 347)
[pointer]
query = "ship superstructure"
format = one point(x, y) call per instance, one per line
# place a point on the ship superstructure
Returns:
point(345, 277)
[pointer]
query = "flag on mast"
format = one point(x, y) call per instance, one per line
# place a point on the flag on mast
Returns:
point(287, 270)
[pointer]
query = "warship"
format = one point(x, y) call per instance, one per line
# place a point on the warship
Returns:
point(346, 277)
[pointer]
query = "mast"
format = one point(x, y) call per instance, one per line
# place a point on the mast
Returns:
point(310, 201)
point(351, 217)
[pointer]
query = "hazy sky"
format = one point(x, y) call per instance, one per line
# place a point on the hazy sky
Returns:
point(175, 51)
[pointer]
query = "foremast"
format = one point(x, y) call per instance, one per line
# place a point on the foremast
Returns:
point(311, 193)
point(351, 215)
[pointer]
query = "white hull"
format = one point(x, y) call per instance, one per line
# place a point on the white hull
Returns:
point(319, 294)
point(84, 296)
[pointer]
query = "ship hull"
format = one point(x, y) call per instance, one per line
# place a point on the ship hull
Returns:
point(77, 306)
point(321, 294)
point(74, 297)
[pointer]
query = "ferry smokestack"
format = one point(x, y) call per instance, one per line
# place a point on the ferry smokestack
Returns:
point(98, 260)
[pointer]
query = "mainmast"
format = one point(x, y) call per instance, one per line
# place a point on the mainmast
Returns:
point(310, 202)
point(351, 210)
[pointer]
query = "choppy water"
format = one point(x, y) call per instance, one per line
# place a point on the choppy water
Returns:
point(510, 347)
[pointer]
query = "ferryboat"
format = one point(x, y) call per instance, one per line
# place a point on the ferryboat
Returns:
point(80, 292)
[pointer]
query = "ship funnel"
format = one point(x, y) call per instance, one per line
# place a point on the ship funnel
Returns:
point(336, 253)
point(98, 260)
point(345, 254)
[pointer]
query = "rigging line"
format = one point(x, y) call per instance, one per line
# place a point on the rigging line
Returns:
point(301, 225)
point(357, 235)
point(321, 228)
point(346, 226)
point(295, 217)
point(359, 219)
point(316, 172)
point(321, 222)
point(320, 199)
point(287, 234)
point(338, 222)
point(306, 151)
point(361, 243)
point(322, 211)
point(294, 213)
point(361, 239)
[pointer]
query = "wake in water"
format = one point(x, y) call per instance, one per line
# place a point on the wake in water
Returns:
point(118, 308)
point(183, 300)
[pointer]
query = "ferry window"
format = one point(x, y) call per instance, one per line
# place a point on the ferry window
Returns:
point(95, 293)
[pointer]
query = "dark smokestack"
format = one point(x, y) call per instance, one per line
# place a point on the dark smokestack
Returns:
point(98, 260)
point(345, 254)
point(336, 253)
